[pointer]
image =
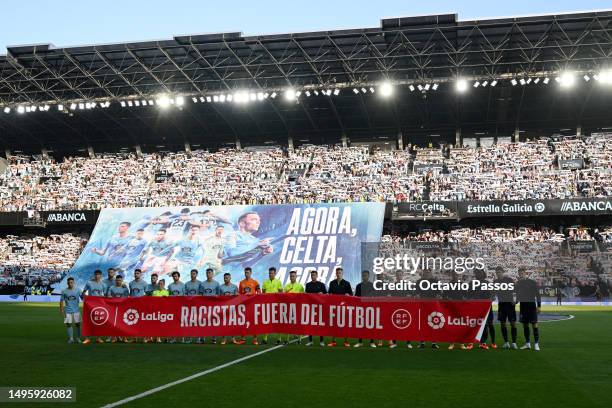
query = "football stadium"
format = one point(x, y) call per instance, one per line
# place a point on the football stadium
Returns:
point(418, 212)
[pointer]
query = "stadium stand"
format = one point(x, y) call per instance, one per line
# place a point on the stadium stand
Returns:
point(523, 170)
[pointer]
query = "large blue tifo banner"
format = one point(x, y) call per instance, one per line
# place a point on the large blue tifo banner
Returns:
point(299, 237)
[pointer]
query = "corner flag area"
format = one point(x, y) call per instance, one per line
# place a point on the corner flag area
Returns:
point(574, 370)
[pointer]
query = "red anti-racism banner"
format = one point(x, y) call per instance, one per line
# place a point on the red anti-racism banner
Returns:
point(320, 315)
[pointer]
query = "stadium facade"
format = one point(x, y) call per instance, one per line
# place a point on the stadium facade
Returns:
point(418, 81)
point(510, 65)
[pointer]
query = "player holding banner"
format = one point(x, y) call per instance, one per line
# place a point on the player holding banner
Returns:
point(138, 288)
point(118, 290)
point(249, 286)
point(314, 286)
point(293, 286)
point(94, 287)
point(228, 289)
point(192, 288)
point(209, 287)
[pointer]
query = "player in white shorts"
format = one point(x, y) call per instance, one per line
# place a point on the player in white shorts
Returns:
point(69, 307)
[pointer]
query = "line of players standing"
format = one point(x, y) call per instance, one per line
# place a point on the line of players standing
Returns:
point(113, 286)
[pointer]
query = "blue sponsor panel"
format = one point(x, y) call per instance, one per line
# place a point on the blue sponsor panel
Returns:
point(298, 237)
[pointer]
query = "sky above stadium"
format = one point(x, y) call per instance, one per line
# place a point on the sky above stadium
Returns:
point(72, 22)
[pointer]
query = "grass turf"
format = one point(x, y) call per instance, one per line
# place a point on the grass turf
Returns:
point(574, 369)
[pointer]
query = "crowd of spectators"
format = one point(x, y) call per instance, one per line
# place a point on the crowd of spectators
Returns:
point(576, 260)
point(525, 170)
point(37, 261)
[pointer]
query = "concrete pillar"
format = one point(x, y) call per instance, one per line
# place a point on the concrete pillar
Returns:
point(290, 143)
point(458, 137)
point(7, 153)
point(579, 130)
point(238, 144)
point(400, 140)
point(45, 153)
point(344, 140)
point(91, 152)
point(138, 150)
point(187, 148)
point(516, 135)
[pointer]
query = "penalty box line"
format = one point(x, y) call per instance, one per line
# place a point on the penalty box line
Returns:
point(194, 376)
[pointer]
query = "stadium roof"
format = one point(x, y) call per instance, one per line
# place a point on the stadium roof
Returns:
point(404, 51)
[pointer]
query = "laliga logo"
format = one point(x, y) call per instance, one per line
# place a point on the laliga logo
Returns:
point(130, 317)
point(539, 207)
point(436, 320)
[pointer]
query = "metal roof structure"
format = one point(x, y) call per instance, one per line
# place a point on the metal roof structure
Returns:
point(404, 51)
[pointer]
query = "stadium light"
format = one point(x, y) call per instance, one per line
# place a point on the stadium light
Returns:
point(194, 99)
point(461, 85)
point(522, 81)
point(290, 94)
point(386, 89)
point(586, 78)
point(372, 90)
point(122, 103)
point(222, 98)
point(434, 87)
point(240, 97)
point(567, 79)
point(163, 101)
point(476, 84)
point(545, 81)
point(485, 83)
point(605, 77)
point(229, 97)
point(73, 106)
point(179, 100)
point(307, 94)
point(535, 81)
point(20, 109)
point(274, 94)
point(355, 91)
point(494, 82)
point(337, 92)
point(427, 86)
point(514, 82)
point(7, 110)
point(208, 99)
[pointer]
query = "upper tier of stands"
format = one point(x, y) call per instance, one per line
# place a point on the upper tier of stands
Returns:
point(525, 170)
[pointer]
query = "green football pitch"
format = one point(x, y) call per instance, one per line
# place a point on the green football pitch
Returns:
point(574, 369)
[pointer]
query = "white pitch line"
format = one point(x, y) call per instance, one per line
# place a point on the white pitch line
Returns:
point(194, 376)
point(567, 317)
